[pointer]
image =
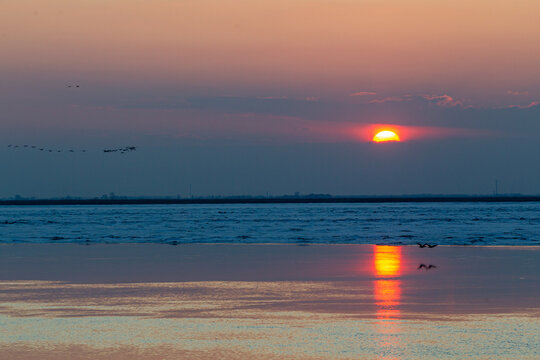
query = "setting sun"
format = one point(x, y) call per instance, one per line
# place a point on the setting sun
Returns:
point(386, 135)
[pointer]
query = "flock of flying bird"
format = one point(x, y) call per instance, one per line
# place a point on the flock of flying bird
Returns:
point(121, 150)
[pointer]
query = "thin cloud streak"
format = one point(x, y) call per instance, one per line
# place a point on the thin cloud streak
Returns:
point(443, 100)
point(415, 133)
point(517, 93)
point(363, 93)
point(527, 106)
point(271, 97)
point(392, 99)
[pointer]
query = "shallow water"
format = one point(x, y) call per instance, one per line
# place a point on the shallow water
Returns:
point(268, 302)
point(408, 223)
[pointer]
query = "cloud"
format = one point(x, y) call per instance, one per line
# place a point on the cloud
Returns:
point(263, 104)
point(443, 100)
point(448, 101)
point(271, 97)
point(309, 98)
point(363, 93)
point(366, 132)
point(391, 99)
point(527, 106)
point(517, 93)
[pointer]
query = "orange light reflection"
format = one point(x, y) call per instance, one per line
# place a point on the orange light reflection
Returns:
point(387, 292)
point(387, 261)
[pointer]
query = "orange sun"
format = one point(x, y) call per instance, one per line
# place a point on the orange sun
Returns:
point(386, 135)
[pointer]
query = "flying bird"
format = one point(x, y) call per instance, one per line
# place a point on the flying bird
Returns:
point(426, 267)
point(121, 150)
point(426, 244)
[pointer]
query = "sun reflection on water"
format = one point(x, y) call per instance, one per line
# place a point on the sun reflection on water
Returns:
point(387, 261)
point(387, 289)
point(387, 294)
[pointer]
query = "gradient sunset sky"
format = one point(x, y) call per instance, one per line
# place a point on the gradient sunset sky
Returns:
point(270, 97)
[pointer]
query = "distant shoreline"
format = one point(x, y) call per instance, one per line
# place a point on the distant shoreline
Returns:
point(278, 200)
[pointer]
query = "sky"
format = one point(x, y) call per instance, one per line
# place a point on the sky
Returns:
point(269, 97)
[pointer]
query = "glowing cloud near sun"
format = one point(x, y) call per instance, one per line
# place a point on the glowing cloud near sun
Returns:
point(386, 135)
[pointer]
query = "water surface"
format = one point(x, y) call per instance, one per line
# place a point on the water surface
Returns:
point(151, 301)
point(405, 223)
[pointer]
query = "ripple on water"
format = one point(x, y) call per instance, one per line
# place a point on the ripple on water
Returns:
point(444, 223)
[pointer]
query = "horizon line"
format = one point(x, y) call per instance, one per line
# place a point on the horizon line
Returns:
point(282, 199)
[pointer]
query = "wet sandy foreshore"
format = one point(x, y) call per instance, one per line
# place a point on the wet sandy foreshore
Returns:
point(269, 301)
